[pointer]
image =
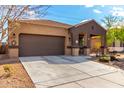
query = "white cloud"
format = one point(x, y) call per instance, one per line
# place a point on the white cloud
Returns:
point(89, 5)
point(117, 8)
point(117, 11)
point(31, 13)
point(85, 20)
point(97, 11)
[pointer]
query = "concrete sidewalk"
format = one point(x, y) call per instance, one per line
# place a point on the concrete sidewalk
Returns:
point(71, 72)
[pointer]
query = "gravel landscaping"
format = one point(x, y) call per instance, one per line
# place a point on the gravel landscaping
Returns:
point(121, 63)
point(13, 75)
point(117, 64)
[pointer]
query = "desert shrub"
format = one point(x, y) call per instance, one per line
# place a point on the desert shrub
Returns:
point(7, 71)
point(6, 68)
point(104, 58)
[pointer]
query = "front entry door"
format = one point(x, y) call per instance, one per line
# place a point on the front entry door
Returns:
point(81, 44)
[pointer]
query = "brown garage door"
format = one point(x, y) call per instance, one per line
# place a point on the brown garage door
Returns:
point(37, 45)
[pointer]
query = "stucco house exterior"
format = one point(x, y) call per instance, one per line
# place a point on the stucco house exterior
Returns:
point(46, 37)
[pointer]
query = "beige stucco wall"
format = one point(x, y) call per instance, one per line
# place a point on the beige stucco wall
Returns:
point(75, 51)
point(28, 28)
point(13, 52)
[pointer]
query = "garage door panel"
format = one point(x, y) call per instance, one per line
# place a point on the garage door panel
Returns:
point(36, 45)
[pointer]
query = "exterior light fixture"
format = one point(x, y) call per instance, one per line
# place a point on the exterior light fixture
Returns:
point(14, 35)
point(76, 41)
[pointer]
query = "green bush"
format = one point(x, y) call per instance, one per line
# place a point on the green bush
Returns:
point(104, 58)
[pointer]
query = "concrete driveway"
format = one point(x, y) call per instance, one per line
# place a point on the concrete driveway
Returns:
point(71, 72)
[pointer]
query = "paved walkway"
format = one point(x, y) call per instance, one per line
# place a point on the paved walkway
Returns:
point(71, 72)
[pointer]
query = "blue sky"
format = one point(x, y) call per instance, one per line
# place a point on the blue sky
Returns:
point(73, 14)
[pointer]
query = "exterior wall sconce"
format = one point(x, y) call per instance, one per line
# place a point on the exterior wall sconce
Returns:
point(14, 35)
point(88, 38)
point(76, 41)
point(69, 38)
point(13, 42)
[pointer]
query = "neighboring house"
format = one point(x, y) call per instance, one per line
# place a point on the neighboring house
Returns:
point(46, 37)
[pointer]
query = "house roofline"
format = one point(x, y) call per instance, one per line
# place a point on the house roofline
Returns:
point(46, 23)
point(56, 24)
point(85, 22)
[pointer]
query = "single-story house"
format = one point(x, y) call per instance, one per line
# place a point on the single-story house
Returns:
point(46, 37)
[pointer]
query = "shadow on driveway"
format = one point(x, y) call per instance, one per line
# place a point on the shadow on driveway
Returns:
point(56, 59)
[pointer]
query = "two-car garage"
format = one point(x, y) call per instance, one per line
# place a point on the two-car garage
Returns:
point(41, 45)
point(39, 38)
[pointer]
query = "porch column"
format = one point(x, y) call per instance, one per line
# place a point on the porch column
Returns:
point(103, 44)
point(87, 44)
point(75, 44)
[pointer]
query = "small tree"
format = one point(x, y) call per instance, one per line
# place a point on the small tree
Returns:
point(112, 23)
point(9, 12)
point(111, 36)
point(120, 34)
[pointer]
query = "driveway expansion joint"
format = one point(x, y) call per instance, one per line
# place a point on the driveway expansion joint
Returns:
point(81, 80)
point(58, 78)
point(111, 81)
